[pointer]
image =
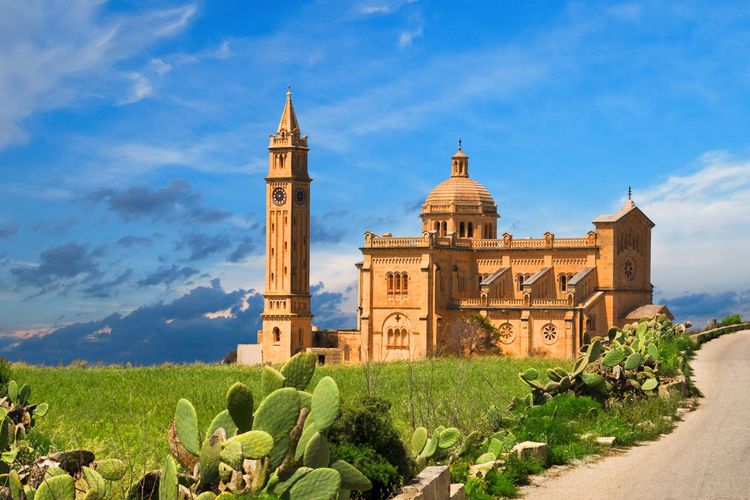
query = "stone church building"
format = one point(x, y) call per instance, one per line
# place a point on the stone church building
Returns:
point(413, 292)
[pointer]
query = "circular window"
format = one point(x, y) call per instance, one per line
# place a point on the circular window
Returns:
point(507, 335)
point(549, 334)
point(629, 269)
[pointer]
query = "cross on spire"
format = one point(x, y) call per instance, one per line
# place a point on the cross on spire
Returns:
point(630, 192)
point(459, 145)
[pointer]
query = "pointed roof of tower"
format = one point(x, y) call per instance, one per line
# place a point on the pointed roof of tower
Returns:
point(288, 120)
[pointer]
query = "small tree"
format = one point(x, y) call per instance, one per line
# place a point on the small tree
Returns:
point(471, 336)
point(732, 319)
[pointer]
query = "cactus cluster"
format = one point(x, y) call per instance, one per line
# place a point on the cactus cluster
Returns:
point(53, 477)
point(496, 446)
point(625, 362)
point(279, 449)
point(426, 447)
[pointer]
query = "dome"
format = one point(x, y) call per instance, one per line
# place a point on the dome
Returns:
point(461, 191)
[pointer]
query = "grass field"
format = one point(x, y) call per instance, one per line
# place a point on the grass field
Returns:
point(124, 412)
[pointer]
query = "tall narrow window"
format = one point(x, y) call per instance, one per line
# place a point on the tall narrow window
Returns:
point(389, 280)
point(404, 282)
point(470, 230)
point(461, 230)
point(397, 282)
point(563, 282)
point(276, 335)
point(445, 228)
point(437, 226)
point(519, 280)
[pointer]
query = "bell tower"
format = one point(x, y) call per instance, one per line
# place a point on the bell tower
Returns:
point(287, 320)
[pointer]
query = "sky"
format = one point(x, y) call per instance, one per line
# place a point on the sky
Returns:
point(133, 142)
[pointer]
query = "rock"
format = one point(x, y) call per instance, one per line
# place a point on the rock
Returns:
point(433, 483)
point(531, 449)
point(606, 441)
point(678, 385)
point(483, 469)
point(586, 436)
point(681, 412)
point(457, 492)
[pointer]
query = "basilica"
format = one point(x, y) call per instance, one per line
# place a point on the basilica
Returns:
point(541, 294)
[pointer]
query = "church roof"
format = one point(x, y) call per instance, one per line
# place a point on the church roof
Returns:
point(461, 191)
point(629, 207)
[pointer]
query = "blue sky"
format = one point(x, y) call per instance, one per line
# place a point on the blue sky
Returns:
point(133, 147)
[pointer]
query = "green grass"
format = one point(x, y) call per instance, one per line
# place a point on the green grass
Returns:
point(124, 412)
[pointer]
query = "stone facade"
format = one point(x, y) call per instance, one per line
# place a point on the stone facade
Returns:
point(414, 292)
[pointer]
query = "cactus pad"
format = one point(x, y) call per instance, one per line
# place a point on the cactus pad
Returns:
point(277, 414)
point(209, 459)
point(319, 484)
point(317, 454)
point(351, 478)
point(305, 399)
point(224, 421)
point(240, 406)
point(418, 440)
point(633, 361)
point(168, 486)
point(13, 391)
point(270, 380)
point(252, 444)
point(614, 357)
point(308, 431)
point(282, 488)
point(650, 384)
point(95, 481)
point(326, 403)
point(110, 469)
point(186, 424)
point(486, 457)
point(298, 370)
point(206, 495)
point(60, 487)
point(448, 439)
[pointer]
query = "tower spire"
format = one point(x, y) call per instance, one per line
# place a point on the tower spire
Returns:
point(288, 122)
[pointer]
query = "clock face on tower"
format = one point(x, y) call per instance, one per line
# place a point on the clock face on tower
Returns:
point(300, 196)
point(279, 196)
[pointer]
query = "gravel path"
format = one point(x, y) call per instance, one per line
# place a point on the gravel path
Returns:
point(706, 457)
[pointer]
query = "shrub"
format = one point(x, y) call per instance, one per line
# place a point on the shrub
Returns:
point(732, 319)
point(6, 375)
point(384, 476)
point(366, 423)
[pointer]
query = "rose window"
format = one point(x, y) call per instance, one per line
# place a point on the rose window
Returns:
point(549, 334)
point(629, 269)
point(506, 333)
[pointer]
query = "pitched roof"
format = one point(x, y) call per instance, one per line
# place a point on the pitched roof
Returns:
point(288, 119)
point(648, 311)
point(629, 207)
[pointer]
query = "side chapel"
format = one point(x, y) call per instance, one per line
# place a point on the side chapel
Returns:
point(413, 292)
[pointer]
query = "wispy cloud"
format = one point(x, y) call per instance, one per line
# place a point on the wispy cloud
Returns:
point(51, 52)
point(406, 37)
point(703, 218)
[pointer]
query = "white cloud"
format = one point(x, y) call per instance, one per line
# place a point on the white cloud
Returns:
point(406, 37)
point(57, 54)
point(702, 220)
point(140, 90)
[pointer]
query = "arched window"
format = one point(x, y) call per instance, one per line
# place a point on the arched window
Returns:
point(390, 336)
point(519, 281)
point(470, 231)
point(461, 230)
point(563, 282)
point(397, 282)
point(276, 335)
point(404, 338)
point(389, 281)
point(404, 282)
point(445, 228)
point(437, 226)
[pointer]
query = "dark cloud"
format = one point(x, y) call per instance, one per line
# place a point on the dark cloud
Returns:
point(245, 247)
point(176, 202)
point(327, 308)
point(201, 245)
point(321, 232)
point(413, 206)
point(168, 275)
point(54, 227)
point(701, 307)
point(178, 331)
point(8, 230)
point(55, 264)
point(135, 241)
point(108, 288)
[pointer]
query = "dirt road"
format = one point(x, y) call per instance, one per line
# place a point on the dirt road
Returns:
point(706, 457)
